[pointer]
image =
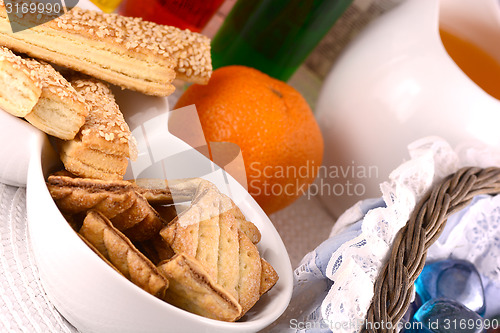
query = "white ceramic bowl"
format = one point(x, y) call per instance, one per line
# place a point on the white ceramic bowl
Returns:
point(17, 137)
point(91, 295)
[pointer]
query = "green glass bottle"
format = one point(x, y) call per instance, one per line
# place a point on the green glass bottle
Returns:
point(274, 36)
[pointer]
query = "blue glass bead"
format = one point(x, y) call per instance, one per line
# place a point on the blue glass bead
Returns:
point(453, 279)
point(447, 316)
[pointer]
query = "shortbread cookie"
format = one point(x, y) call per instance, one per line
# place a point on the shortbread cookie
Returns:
point(157, 191)
point(156, 249)
point(118, 250)
point(103, 144)
point(250, 273)
point(150, 222)
point(209, 232)
point(164, 192)
point(125, 51)
point(168, 213)
point(99, 254)
point(214, 242)
point(76, 195)
point(160, 191)
point(225, 252)
point(268, 277)
point(20, 88)
point(247, 227)
point(193, 289)
point(117, 200)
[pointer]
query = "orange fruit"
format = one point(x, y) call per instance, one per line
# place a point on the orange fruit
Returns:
point(280, 141)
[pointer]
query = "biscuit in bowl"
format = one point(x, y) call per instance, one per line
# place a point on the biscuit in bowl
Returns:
point(94, 297)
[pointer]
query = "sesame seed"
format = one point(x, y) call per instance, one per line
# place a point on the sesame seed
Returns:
point(137, 35)
point(104, 119)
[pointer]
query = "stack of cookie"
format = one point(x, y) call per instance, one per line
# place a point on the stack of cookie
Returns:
point(215, 249)
point(205, 260)
point(95, 141)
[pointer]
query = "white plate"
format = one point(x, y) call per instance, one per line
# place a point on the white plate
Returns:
point(90, 294)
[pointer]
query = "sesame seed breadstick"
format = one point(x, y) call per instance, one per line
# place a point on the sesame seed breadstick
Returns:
point(20, 88)
point(110, 47)
point(85, 162)
point(41, 95)
point(105, 128)
point(60, 111)
point(190, 49)
point(101, 148)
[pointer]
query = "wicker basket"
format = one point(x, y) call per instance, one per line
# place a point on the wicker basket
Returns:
point(394, 286)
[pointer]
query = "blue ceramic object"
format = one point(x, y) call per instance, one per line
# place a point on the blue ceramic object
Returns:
point(446, 316)
point(454, 279)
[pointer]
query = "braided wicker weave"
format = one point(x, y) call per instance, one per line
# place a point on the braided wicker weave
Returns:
point(394, 286)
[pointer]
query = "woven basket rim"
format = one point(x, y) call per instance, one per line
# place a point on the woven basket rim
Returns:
point(394, 285)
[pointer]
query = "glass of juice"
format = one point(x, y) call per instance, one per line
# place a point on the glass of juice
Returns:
point(184, 14)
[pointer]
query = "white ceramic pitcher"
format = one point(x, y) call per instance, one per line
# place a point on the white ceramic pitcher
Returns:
point(396, 83)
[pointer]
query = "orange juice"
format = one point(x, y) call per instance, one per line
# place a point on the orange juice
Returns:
point(479, 66)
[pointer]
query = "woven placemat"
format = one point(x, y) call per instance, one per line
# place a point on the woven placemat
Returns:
point(24, 306)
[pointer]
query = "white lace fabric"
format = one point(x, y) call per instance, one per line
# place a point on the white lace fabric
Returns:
point(24, 306)
point(477, 242)
point(354, 267)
